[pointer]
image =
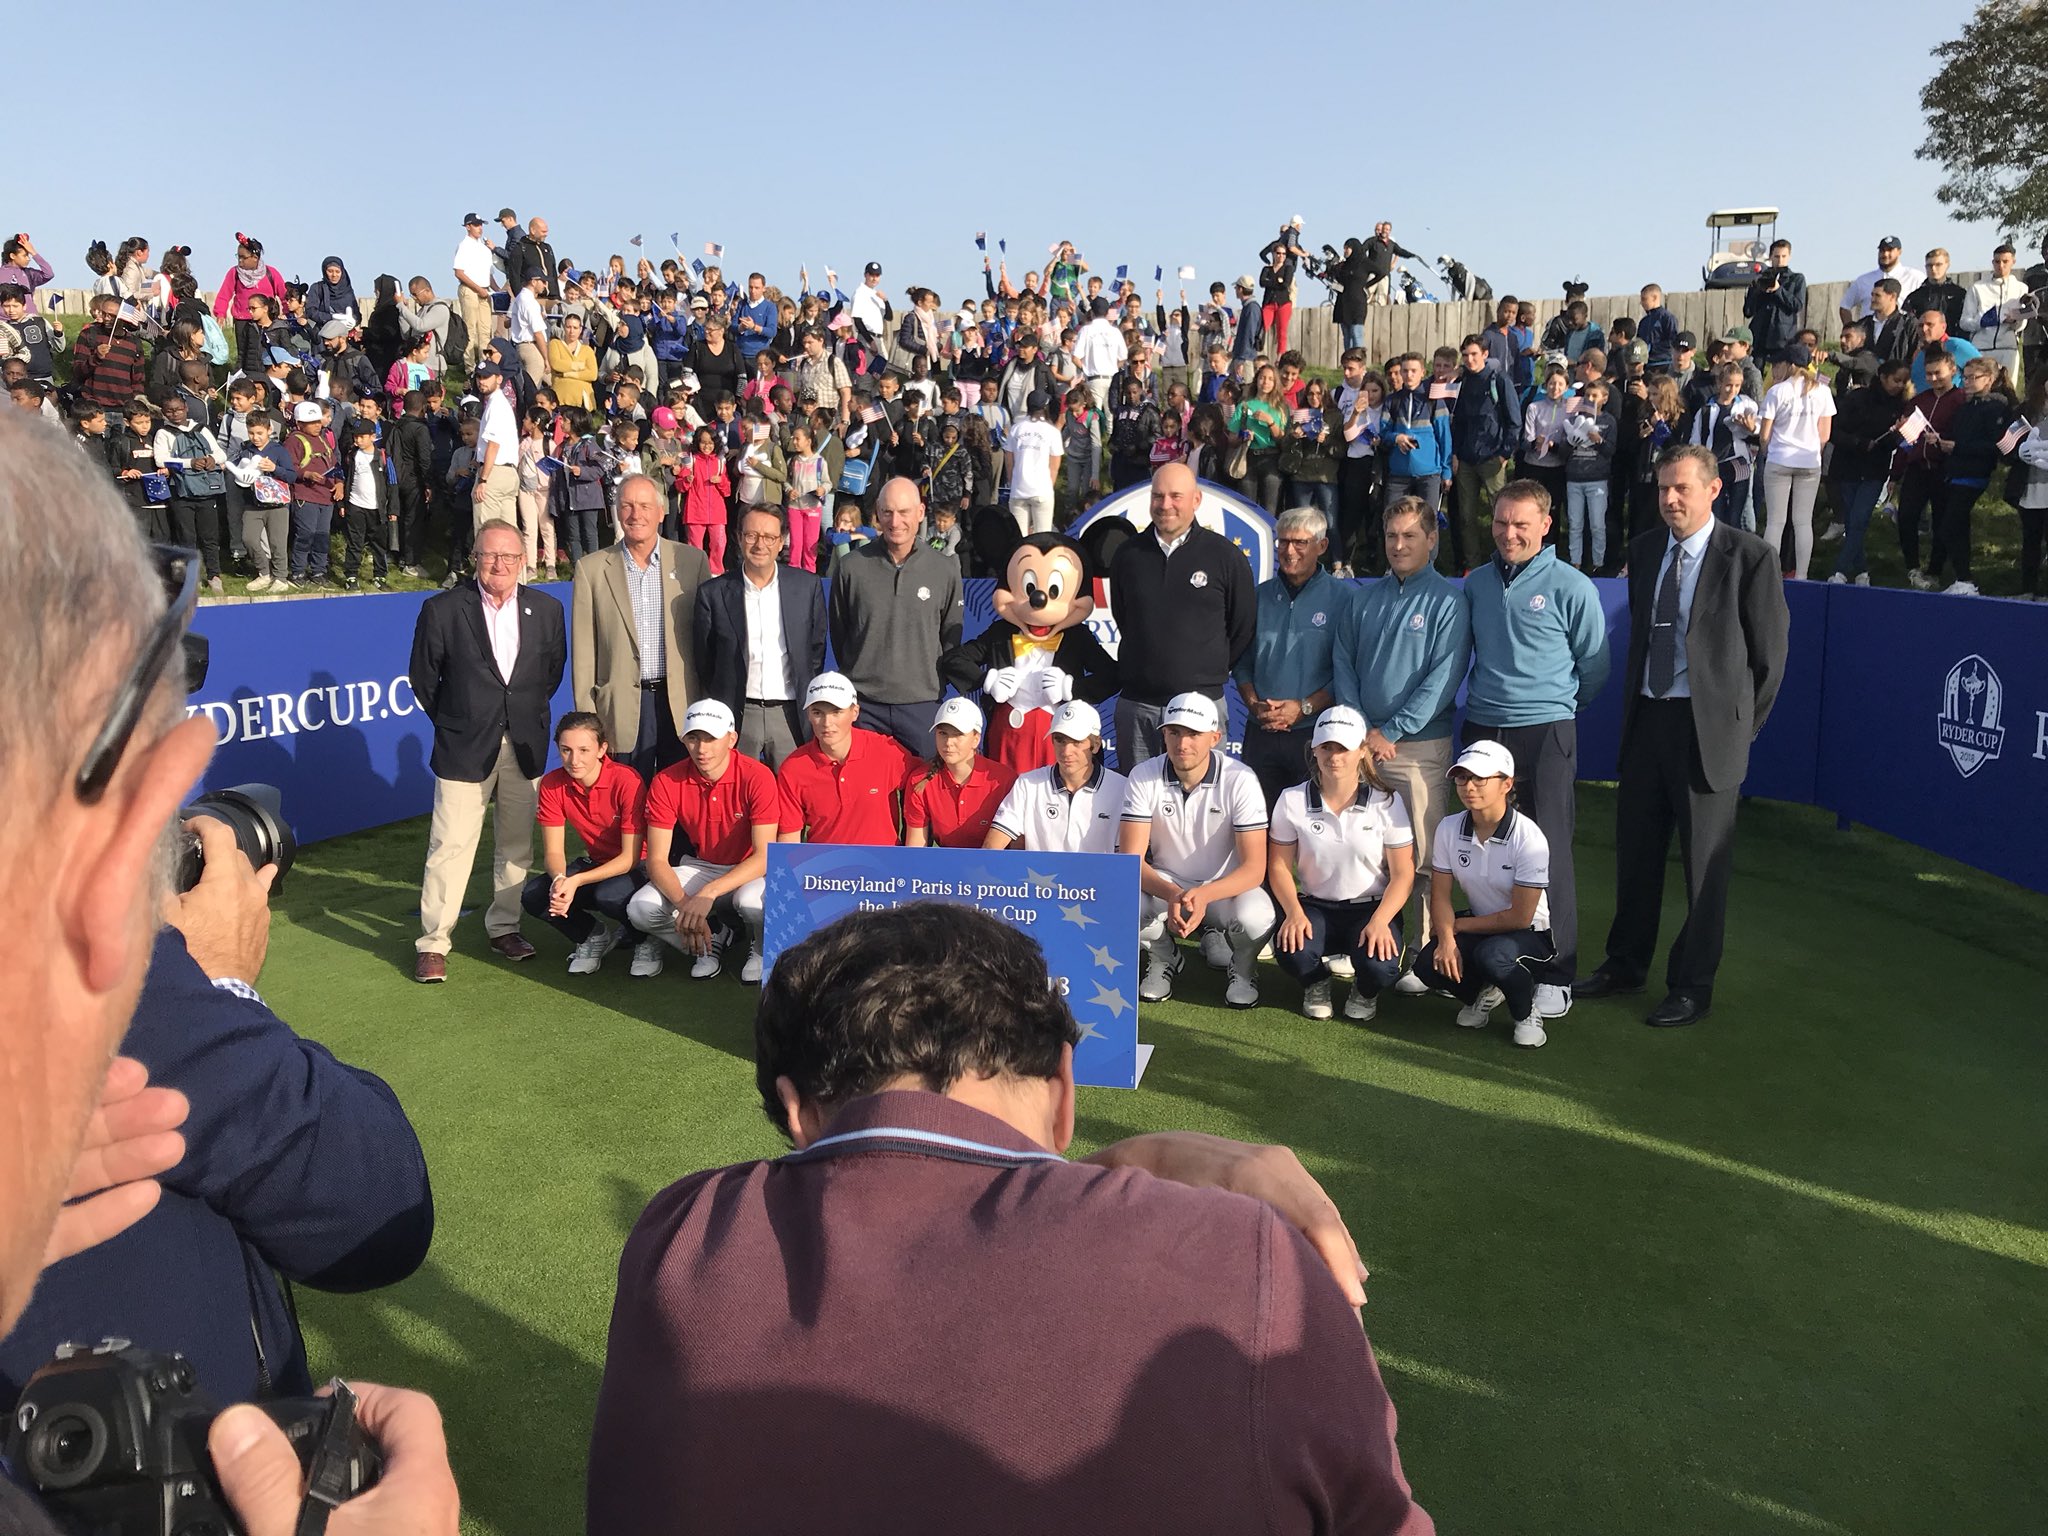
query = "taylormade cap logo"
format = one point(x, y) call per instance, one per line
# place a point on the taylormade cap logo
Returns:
point(1972, 707)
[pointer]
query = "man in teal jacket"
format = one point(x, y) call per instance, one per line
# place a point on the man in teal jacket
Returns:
point(1399, 656)
point(1539, 655)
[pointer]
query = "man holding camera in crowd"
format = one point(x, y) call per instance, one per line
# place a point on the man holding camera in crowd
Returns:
point(97, 743)
point(1775, 305)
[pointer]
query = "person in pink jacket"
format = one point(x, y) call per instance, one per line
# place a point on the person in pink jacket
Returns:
point(247, 278)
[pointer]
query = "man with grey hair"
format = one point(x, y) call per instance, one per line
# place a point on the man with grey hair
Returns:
point(487, 656)
point(1285, 676)
point(95, 758)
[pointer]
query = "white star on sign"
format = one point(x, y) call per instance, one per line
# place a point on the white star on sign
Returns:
point(1112, 1000)
point(1077, 917)
point(1105, 959)
point(1089, 1032)
point(1044, 882)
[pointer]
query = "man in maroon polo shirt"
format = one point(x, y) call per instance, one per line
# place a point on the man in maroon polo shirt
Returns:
point(601, 798)
point(841, 786)
point(924, 1319)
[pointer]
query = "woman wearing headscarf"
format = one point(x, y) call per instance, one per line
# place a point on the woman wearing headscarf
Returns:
point(384, 333)
point(333, 297)
point(245, 279)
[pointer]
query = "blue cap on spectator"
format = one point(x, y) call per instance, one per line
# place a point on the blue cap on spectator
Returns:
point(280, 355)
point(484, 369)
point(1799, 355)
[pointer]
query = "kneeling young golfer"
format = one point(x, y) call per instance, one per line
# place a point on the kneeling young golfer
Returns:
point(724, 803)
point(1500, 859)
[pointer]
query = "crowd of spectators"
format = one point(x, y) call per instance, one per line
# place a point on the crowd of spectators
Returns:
point(1024, 401)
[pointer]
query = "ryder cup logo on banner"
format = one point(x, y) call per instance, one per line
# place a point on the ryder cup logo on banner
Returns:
point(257, 716)
point(1972, 705)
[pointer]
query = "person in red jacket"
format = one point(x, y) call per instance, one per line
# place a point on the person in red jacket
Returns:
point(951, 801)
point(842, 785)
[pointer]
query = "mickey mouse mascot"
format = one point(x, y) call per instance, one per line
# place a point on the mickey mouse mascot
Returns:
point(1037, 654)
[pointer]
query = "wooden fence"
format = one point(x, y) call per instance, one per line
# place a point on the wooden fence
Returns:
point(1397, 328)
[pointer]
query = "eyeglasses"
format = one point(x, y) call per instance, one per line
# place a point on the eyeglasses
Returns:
point(179, 569)
point(762, 538)
point(1284, 543)
point(512, 559)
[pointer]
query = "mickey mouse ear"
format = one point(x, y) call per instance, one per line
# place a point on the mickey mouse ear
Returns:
point(1102, 539)
point(995, 539)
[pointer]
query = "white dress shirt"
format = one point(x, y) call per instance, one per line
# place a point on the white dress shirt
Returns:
point(526, 323)
point(1856, 299)
point(1691, 549)
point(767, 650)
point(473, 261)
point(501, 623)
point(498, 426)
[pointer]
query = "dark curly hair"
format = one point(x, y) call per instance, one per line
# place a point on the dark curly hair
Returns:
point(932, 990)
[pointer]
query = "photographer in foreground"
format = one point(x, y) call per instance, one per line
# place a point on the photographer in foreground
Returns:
point(959, 1328)
point(96, 757)
point(293, 1162)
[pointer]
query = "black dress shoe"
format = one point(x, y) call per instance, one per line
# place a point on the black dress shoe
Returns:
point(1606, 983)
point(1679, 1008)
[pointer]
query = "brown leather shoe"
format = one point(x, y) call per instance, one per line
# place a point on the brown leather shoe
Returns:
point(513, 946)
point(428, 967)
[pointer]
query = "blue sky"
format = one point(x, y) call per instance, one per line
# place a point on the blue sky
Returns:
point(1533, 144)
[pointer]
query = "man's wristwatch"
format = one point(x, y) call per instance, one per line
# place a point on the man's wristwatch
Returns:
point(1308, 709)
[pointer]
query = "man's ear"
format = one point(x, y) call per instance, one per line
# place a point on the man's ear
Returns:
point(1063, 1104)
point(804, 1119)
point(104, 889)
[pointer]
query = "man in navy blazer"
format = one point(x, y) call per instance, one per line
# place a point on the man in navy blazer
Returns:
point(487, 657)
point(1708, 630)
point(761, 678)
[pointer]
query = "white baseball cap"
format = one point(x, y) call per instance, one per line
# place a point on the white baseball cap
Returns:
point(1486, 760)
point(711, 716)
point(831, 688)
point(1192, 712)
point(1341, 724)
point(1076, 720)
point(959, 713)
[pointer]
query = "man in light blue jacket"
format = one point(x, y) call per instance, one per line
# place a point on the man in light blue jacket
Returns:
point(1539, 655)
point(1400, 653)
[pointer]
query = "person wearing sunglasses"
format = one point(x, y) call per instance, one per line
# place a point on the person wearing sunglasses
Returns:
point(99, 752)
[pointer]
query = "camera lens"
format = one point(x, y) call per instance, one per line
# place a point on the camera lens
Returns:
point(255, 814)
point(65, 1447)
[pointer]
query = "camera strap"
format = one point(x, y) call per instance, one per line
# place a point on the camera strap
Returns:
point(327, 1472)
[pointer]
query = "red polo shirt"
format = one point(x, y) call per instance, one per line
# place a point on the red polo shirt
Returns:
point(718, 818)
point(849, 802)
point(956, 815)
point(602, 814)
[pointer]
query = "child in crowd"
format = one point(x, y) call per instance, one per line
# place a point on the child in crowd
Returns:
point(662, 450)
point(368, 517)
point(586, 468)
point(461, 482)
point(705, 487)
point(263, 473)
point(848, 531)
point(1081, 437)
point(33, 338)
point(536, 524)
point(311, 452)
point(762, 469)
point(90, 427)
point(1592, 436)
point(950, 472)
point(131, 455)
point(809, 488)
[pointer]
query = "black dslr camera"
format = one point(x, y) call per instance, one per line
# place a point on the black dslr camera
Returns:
point(253, 812)
point(113, 1441)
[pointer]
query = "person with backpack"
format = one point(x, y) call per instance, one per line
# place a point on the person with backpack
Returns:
point(191, 455)
point(1486, 424)
point(312, 460)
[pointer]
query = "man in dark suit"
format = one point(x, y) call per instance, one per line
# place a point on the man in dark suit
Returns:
point(760, 639)
point(633, 665)
point(487, 657)
point(1706, 653)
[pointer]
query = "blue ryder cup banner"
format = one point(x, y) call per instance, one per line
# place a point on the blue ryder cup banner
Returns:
point(311, 695)
point(1082, 908)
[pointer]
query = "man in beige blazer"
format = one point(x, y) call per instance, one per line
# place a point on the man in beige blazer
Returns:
point(632, 662)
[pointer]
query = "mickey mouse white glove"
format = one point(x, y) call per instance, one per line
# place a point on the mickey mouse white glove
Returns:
point(1001, 683)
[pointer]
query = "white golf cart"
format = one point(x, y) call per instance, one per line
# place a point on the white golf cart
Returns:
point(1736, 261)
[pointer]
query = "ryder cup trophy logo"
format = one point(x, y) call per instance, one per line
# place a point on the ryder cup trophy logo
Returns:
point(1972, 704)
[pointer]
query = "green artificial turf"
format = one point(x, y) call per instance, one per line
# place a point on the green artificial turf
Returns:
point(1784, 1272)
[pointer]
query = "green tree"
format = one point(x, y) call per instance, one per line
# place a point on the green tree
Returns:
point(1987, 116)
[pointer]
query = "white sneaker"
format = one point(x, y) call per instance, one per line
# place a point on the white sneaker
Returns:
point(1315, 1000)
point(1360, 1007)
point(1339, 966)
point(1552, 1001)
point(647, 957)
point(1216, 949)
point(1479, 1012)
point(260, 584)
point(1838, 580)
point(1834, 535)
point(1411, 985)
point(1160, 969)
point(1918, 579)
point(707, 965)
point(1243, 992)
point(1529, 1031)
point(750, 973)
point(1863, 578)
point(589, 955)
point(1961, 589)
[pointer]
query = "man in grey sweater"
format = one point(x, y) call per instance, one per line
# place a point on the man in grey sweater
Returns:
point(895, 606)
